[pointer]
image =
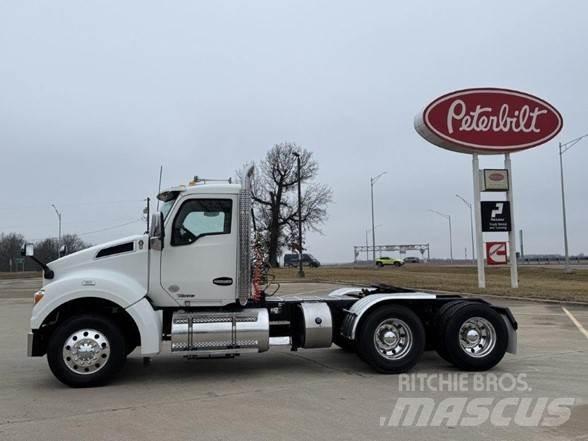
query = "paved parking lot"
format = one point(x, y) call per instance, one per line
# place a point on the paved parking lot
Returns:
point(320, 394)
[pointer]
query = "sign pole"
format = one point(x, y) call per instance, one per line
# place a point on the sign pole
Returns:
point(512, 234)
point(478, 221)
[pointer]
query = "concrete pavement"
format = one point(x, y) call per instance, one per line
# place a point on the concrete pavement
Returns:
point(320, 394)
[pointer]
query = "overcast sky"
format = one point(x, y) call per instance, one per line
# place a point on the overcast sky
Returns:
point(95, 95)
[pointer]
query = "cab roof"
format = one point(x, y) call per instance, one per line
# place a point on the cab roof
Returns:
point(199, 187)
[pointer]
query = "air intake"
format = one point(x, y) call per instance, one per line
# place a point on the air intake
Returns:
point(244, 287)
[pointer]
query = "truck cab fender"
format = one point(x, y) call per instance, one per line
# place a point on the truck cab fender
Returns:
point(118, 289)
point(114, 287)
point(149, 323)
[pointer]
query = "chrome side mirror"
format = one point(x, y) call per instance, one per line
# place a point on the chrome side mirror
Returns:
point(62, 250)
point(156, 231)
point(27, 250)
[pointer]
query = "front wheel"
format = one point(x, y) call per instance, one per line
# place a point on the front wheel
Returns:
point(391, 339)
point(86, 351)
point(379, 264)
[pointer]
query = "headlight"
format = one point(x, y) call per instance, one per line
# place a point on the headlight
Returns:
point(38, 296)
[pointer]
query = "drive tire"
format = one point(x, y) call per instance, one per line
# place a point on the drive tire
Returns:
point(491, 330)
point(110, 346)
point(370, 341)
point(379, 264)
point(439, 325)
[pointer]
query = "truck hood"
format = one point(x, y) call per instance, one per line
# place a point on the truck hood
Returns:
point(107, 254)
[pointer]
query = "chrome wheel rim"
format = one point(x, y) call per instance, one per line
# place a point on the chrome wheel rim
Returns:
point(86, 351)
point(477, 337)
point(393, 339)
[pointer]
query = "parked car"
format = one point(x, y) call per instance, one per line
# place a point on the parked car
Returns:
point(384, 260)
point(291, 260)
point(412, 259)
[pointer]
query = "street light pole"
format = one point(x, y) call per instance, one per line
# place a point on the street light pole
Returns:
point(300, 269)
point(59, 234)
point(366, 241)
point(448, 217)
point(450, 241)
point(563, 209)
point(367, 251)
point(373, 180)
point(562, 149)
point(469, 205)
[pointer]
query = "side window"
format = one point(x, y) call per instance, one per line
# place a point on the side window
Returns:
point(201, 217)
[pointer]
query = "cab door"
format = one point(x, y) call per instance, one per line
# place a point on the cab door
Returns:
point(199, 258)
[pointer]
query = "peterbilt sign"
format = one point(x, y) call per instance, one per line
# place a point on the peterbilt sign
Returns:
point(488, 121)
point(494, 180)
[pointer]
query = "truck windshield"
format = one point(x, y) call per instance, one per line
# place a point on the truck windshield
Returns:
point(167, 206)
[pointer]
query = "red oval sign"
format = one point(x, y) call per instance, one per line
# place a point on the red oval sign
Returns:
point(488, 121)
point(497, 177)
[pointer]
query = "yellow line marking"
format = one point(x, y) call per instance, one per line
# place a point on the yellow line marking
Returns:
point(576, 322)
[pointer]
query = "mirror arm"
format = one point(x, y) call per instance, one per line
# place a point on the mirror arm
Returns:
point(47, 272)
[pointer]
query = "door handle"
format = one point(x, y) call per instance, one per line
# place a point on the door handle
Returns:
point(223, 281)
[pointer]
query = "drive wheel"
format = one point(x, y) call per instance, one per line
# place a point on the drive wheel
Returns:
point(391, 339)
point(86, 351)
point(475, 337)
point(379, 264)
point(397, 264)
point(440, 323)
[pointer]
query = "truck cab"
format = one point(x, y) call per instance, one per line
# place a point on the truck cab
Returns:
point(198, 263)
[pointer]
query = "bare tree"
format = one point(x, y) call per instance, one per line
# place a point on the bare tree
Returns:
point(10, 246)
point(46, 249)
point(275, 198)
point(74, 243)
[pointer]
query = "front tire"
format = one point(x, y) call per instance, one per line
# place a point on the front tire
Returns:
point(391, 339)
point(379, 264)
point(86, 351)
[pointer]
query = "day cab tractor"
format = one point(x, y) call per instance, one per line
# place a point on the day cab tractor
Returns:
point(193, 286)
point(383, 261)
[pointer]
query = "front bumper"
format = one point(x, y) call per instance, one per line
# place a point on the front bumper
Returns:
point(30, 342)
point(35, 345)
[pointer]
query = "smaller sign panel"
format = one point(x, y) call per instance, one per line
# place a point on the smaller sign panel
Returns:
point(496, 253)
point(494, 180)
point(495, 216)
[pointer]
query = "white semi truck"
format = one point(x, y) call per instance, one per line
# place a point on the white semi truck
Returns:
point(189, 285)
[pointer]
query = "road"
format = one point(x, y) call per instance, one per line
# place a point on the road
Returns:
point(320, 394)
